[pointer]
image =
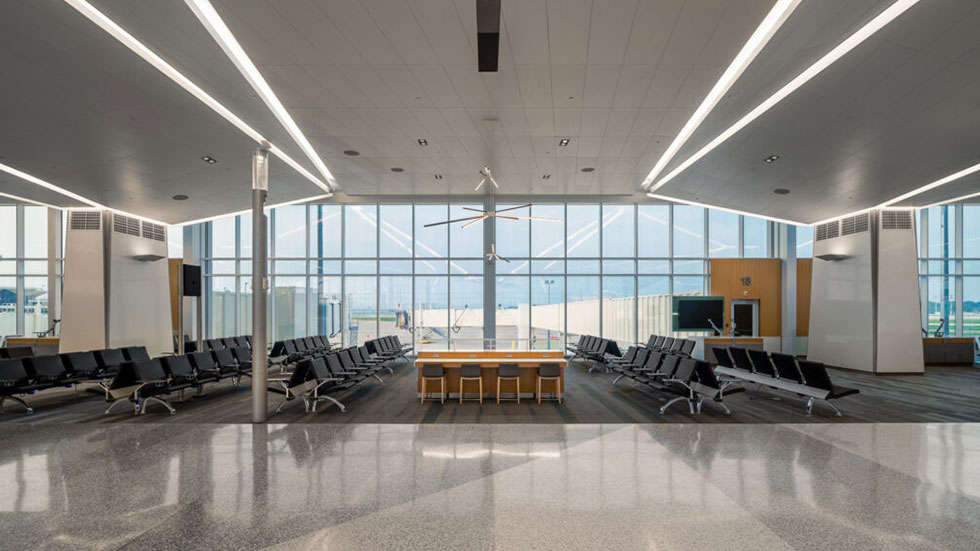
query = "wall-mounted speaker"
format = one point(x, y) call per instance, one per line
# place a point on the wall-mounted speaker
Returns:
point(192, 280)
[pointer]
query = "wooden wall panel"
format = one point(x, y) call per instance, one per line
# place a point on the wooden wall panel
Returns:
point(173, 264)
point(766, 286)
point(804, 275)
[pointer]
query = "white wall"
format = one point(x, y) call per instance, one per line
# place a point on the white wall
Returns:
point(139, 295)
point(841, 308)
point(899, 318)
point(139, 292)
point(83, 302)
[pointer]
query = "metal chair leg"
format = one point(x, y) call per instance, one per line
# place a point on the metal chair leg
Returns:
point(17, 399)
point(616, 380)
point(115, 403)
point(671, 402)
point(160, 401)
point(809, 406)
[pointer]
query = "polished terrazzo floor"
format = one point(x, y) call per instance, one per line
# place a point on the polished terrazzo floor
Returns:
point(364, 486)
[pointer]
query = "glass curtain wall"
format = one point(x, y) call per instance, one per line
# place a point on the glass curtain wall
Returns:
point(949, 269)
point(25, 281)
point(357, 271)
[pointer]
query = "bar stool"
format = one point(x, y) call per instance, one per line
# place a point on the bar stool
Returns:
point(549, 372)
point(509, 372)
point(434, 372)
point(470, 372)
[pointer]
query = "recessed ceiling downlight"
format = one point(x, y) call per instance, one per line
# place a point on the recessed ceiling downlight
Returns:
point(781, 191)
point(352, 153)
point(397, 169)
point(209, 159)
point(588, 169)
point(179, 197)
point(771, 159)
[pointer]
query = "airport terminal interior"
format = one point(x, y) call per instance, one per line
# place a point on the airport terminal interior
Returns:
point(490, 274)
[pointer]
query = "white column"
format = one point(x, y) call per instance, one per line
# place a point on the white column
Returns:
point(786, 241)
point(260, 283)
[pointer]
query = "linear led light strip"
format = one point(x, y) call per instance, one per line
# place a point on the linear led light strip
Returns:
point(26, 200)
point(209, 17)
point(778, 15)
point(247, 211)
point(851, 42)
point(153, 59)
point(733, 211)
point(48, 185)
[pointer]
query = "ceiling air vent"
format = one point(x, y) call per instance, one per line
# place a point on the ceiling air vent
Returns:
point(855, 224)
point(896, 220)
point(126, 225)
point(828, 230)
point(155, 232)
point(85, 220)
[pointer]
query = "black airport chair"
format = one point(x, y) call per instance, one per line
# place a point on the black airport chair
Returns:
point(15, 352)
point(149, 382)
point(224, 362)
point(14, 380)
point(135, 353)
point(294, 385)
point(707, 386)
point(205, 366)
point(337, 368)
point(110, 360)
point(816, 376)
point(741, 359)
point(49, 369)
point(82, 365)
point(326, 382)
point(761, 362)
point(786, 368)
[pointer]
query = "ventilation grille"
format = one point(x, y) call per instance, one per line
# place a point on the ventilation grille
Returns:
point(829, 230)
point(126, 225)
point(85, 220)
point(896, 220)
point(155, 232)
point(855, 224)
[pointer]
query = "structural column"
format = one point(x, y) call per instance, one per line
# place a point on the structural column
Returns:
point(489, 279)
point(260, 283)
point(786, 249)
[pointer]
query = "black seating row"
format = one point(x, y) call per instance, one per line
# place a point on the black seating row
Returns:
point(671, 344)
point(9, 352)
point(21, 376)
point(684, 377)
point(594, 349)
point(147, 380)
point(119, 373)
point(389, 347)
point(317, 377)
point(292, 350)
point(780, 372)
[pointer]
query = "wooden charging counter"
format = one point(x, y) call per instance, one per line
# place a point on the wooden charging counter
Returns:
point(527, 362)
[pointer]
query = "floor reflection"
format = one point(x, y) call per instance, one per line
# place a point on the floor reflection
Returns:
point(244, 486)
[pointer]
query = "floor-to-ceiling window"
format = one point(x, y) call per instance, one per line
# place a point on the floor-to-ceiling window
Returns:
point(30, 269)
point(357, 271)
point(949, 269)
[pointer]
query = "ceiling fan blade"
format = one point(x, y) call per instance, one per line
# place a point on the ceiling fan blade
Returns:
point(478, 218)
point(478, 186)
point(492, 181)
point(515, 208)
point(502, 258)
point(474, 210)
point(507, 216)
point(452, 221)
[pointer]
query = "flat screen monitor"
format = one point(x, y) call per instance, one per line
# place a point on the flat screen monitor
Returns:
point(698, 313)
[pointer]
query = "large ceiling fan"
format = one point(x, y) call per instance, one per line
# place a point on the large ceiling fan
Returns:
point(484, 214)
point(493, 214)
